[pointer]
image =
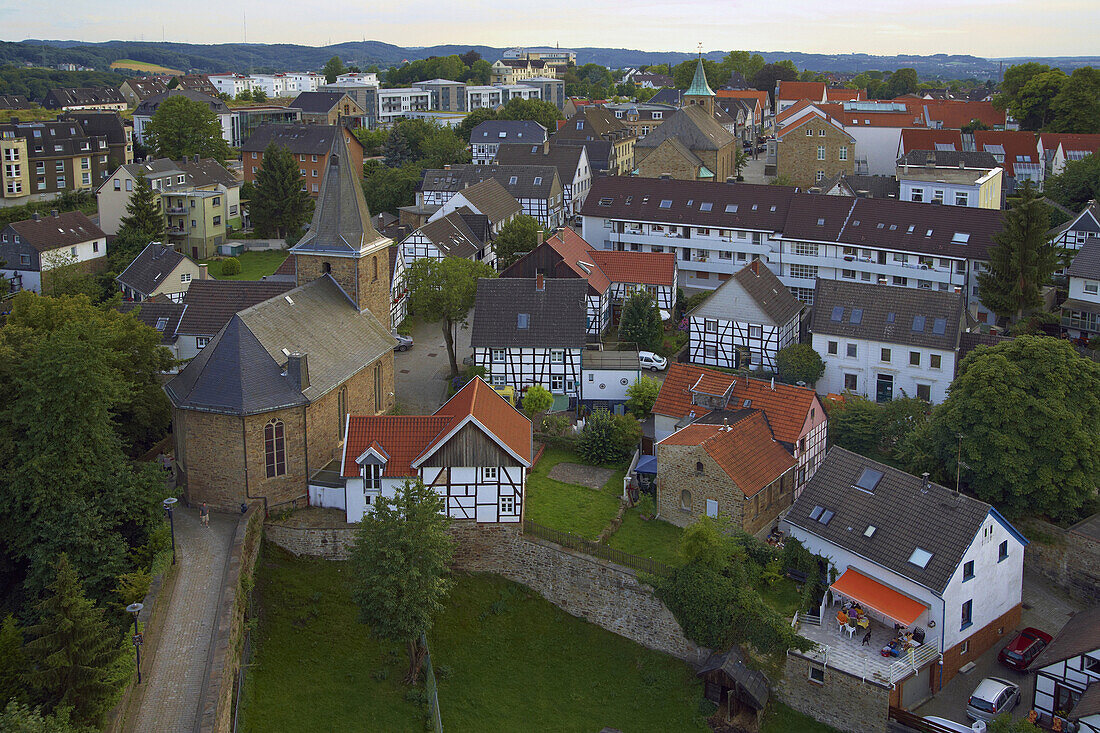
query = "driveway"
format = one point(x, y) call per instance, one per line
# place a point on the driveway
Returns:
point(1045, 608)
point(422, 371)
point(754, 171)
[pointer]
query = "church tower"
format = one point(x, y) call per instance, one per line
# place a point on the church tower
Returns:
point(342, 241)
point(700, 92)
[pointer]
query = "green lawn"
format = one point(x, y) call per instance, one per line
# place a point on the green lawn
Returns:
point(781, 719)
point(784, 596)
point(506, 658)
point(656, 538)
point(568, 507)
point(254, 264)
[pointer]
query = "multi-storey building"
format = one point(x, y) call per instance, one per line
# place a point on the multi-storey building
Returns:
point(491, 134)
point(595, 123)
point(140, 88)
point(484, 97)
point(572, 163)
point(119, 133)
point(43, 159)
point(386, 106)
point(536, 187)
point(246, 120)
point(1081, 310)
point(231, 84)
point(446, 95)
point(716, 228)
point(813, 149)
point(308, 144)
point(641, 117)
point(69, 100)
point(550, 90)
point(194, 82)
point(951, 178)
point(329, 108)
point(144, 112)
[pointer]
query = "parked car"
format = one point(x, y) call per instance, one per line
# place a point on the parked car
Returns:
point(992, 697)
point(651, 361)
point(1023, 648)
point(404, 343)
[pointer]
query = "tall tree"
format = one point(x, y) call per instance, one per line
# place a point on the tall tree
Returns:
point(640, 321)
point(1022, 260)
point(143, 223)
point(443, 291)
point(183, 127)
point(544, 113)
point(279, 207)
point(399, 567)
point(334, 67)
point(770, 75)
point(744, 63)
point(1076, 107)
point(72, 649)
point(518, 236)
point(13, 663)
point(684, 72)
point(1028, 411)
point(902, 81)
point(387, 188)
point(1031, 107)
point(1078, 184)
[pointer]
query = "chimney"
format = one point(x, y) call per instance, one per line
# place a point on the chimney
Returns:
point(196, 157)
point(540, 282)
point(755, 267)
point(53, 213)
point(927, 484)
point(726, 424)
point(203, 273)
point(297, 370)
point(541, 235)
point(36, 216)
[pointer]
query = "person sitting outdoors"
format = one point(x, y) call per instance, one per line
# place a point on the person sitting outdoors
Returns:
point(842, 617)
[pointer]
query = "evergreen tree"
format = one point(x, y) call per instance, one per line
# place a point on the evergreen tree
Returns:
point(640, 321)
point(12, 660)
point(183, 127)
point(398, 149)
point(72, 649)
point(1022, 260)
point(143, 223)
point(279, 206)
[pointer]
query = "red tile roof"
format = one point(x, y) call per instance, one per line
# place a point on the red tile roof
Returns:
point(574, 249)
point(924, 139)
point(956, 114)
point(1070, 141)
point(645, 268)
point(761, 97)
point(713, 383)
point(745, 450)
point(844, 95)
point(812, 90)
point(406, 438)
point(812, 119)
point(1015, 144)
point(786, 406)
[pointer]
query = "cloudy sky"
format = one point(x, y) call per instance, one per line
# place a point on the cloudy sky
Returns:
point(979, 27)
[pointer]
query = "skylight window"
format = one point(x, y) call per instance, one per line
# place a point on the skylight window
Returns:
point(821, 222)
point(960, 238)
point(538, 180)
point(881, 225)
point(523, 320)
point(605, 202)
point(857, 316)
point(920, 557)
point(890, 317)
point(513, 180)
point(868, 480)
point(827, 516)
point(773, 208)
point(815, 513)
point(666, 203)
point(731, 208)
point(918, 324)
point(928, 233)
point(754, 207)
point(838, 313)
point(162, 323)
point(870, 531)
point(855, 223)
point(939, 326)
point(911, 228)
point(706, 206)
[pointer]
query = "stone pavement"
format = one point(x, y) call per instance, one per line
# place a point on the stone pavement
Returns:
point(173, 686)
point(421, 372)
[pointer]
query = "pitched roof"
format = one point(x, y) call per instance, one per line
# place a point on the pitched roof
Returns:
point(149, 268)
point(341, 220)
point(212, 303)
point(753, 295)
point(813, 119)
point(1070, 141)
point(643, 268)
point(298, 139)
point(751, 683)
point(452, 236)
point(760, 97)
point(745, 450)
point(75, 96)
point(577, 255)
point(897, 534)
point(970, 340)
point(556, 316)
point(203, 172)
point(99, 122)
point(1086, 263)
point(1010, 146)
point(521, 181)
point(862, 186)
point(162, 315)
point(956, 114)
point(149, 105)
point(812, 90)
point(669, 96)
point(949, 159)
point(481, 402)
point(52, 232)
point(598, 123)
point(508, 131)
point(492, 199)
point(699, 86)
point(843, 95)
point(696, 129)
point(924, 139)
point(888, 314)
point(566, 158)
point(317, 102)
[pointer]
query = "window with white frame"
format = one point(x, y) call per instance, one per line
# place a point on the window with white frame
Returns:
point(557, 356)
point(821, 152)
point(843, 152)
point(806, 272)
point(185, 277)
point(805, 248)
point(557, 383)
point(507, 504)
point(489, 473)
point(710, 325)
point(496, 356)
point(962, 198)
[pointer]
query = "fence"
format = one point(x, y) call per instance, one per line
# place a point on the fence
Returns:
point(431, 688)
point(588, 547)
point(916, 722)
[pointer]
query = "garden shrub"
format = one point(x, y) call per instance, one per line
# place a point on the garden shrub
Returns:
point(231, 266)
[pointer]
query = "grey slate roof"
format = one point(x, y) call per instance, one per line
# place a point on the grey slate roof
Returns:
point(1080, 635)
point(150, 267)
point(452, 236)
point(508, 131)
point(492, 200)
point(949, 159)
point(599, 151)
point(316, 102)
point(1087, 261)
point(155, 312)
point(668, 96)
point(14, 101)
point(532, 181)
point(752, 295)
point(203, 172)
point(149, 106)
point(298, 139)
point(64, 230)
point(566, 158)
point(77, 96)
point(906, 515)
point(341, 221)
point(212, 303)
point(862, 186)
point(890, 314)
point(94, 122)
point(557, 315)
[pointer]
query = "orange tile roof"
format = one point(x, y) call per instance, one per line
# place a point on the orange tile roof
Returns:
point(1070, 141)
point(745, 450)
point(480, 401)
point(955, 113)
point(811, 118)
point(645, 268)
point(844, 95)
point(793, 110)
point(573, 249)
point(674, 399)
point(756, 94)
point(1016, 143)
point(812, 90)
point(713, 383)
point(924, 139)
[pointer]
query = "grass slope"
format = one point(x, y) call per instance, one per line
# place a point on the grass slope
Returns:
point(507, 660)
point(569, 507)
point(254, 264)
point(656, 538)
point(143, 66)
point(781, 719)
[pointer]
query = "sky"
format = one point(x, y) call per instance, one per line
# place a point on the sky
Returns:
point(979, 27)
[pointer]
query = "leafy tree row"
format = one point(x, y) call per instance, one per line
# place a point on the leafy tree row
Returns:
point(35, 82)
point(469, 68)
point(1043, 98)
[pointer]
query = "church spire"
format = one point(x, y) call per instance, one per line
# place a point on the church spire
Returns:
point(699, 86)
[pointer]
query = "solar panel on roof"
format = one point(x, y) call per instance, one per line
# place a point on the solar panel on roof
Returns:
point(838, 313)
point(939, 326)
point(918, 324)
point(856, 316)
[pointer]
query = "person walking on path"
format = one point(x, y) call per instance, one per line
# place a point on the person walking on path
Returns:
point(204, 515)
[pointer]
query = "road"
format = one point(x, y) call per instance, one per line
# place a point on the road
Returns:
point(422, 371)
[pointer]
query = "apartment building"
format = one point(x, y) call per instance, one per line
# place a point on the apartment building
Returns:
point(30, 249)
point(140, 88)
point(231, 84)
point(488, 136)
point(550, 89)
point(308, 144)
point(246, 120)
point(144, 112)
point(717, 228)
point(813, 149)
point(446, 95)
point(951, 178)
point(43, 159)
point(68, 100)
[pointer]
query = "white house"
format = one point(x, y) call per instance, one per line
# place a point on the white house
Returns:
point(159, 270)
point(570, 160)
point(746, 321)
point(144, 112)
point(1081, 310)
point(950, 178)
point(915, 555)
point(399, 300)
point(883, 343)
point(1067, 674)
point(484, 97)
point(486, 197)
point(530, 331)
point(606, 376)
point(32, 247)
point(1075, 233)
point(489, 135)
point(474, 451)
point(450, 236)
point(231, 84)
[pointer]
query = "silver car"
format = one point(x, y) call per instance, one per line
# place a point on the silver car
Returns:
point(992, 697)
point(404, 343)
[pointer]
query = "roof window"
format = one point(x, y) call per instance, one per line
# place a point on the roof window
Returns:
point(838, 313)
point(821, 222)
point(666, 203)
point(731, 208)
point(815, 513)
point(523, 320)
point(918, 324)
point(960, 238)
point(939, 326)
point(868, 480)
point(920, 557)
point(705, 206)
point(870, 531)
point(605, 202)
point(857, 316)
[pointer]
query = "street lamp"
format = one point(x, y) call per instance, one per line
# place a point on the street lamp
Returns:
point(168, 504)
point(135, 608)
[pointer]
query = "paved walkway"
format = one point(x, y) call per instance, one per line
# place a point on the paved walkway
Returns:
point(421, 378)
point(174, 683)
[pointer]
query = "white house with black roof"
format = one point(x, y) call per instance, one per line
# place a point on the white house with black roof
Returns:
point(29, 249)
point(915, 555)
point(537, 188)
point(1075, 233)
point(746, 321)
point(447, 236)
point(1067, 674)
point(491, 134)
point(531, 331)
point(159, 270)
point(883, 343)
point(162, 315)
point(1081, 310)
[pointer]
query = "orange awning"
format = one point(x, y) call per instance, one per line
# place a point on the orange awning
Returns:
point(878, 597)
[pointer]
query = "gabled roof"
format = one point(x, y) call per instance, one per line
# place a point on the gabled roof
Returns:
point(149, 105)
point(492, 200)
point(99, 122)
point(508, 131)
point(643, 268)
point(298, 139)
point(566, 158)
point(932, 518)
point(751, 683)
point(161, 315)
point(199, 173)
point(1070, 141)
point(452, 236)
point(668, 95)
point(521, 181)
point(150, 268)
point(76, 96)
point(556, 315)
point(317, 102)
point(598, 123)
point(212, 303)
point(1080, 635)
point(812, 90)
point(817, 120)
point(888, 314)
point(862, 186)
point(948, 159)
point(759, 97)
point(479, 402)
point(1086, 263)
point(693, 127)
point(402, 437)
point(1011, 146)
point(924, 139)
point(745, 450)
point(956, 114)
point(578, 256)
point(53, 232)
point(753, 295)
point(843, 95)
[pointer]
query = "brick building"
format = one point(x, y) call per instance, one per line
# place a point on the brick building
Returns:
point(261, 409)
point(814, 149)
point(309, 144)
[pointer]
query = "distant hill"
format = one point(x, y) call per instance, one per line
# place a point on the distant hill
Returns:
point(258, 57)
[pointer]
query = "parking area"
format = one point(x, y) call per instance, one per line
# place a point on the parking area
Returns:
point(1045, 608)
point(422, 371)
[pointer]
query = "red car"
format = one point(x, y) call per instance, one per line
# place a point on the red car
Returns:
point(1023, 648)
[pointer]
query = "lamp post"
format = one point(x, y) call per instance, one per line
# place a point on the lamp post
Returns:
point(168, 504)
point(135, 608)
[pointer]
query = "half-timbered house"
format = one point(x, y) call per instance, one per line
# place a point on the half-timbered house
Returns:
point(399, 291)
point(449, 236)
point(746, 321)
point(537, 188)
point(530, 331)
point(1067, 675)
point(486, 197)
point(474, 451)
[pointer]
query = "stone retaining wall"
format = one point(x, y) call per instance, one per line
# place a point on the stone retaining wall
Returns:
point(841, 700)
point(331, 543)
point(1068, 557)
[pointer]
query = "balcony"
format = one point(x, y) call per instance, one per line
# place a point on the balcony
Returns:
point(178, 210)
point(176, 232)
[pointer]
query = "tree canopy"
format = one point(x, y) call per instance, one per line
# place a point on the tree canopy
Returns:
point(183, 127)
point(771, 74)
point(333, 68)
point(279, 207)
point(1043, 98)
point(1077, 184)
point(443, 291)
point(799, 363)
point(518, 236)
point(640, 321)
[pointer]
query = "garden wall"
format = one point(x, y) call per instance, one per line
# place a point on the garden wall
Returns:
point(216, 701)
point(1068, 557)
point(845, 702)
